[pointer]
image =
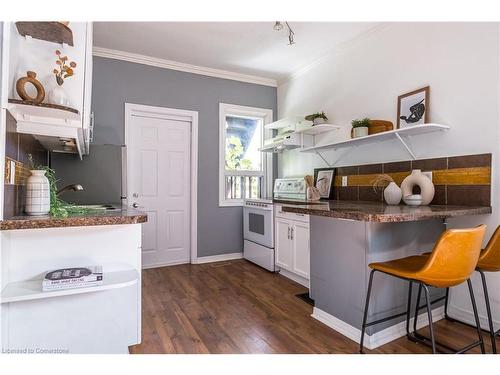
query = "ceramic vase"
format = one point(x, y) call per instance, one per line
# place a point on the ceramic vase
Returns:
point(392, 194)
point(361, 131)
point(37, 194)
point(58, 96)
point(417, 178)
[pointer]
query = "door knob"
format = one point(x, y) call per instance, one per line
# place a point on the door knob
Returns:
point(135, 205)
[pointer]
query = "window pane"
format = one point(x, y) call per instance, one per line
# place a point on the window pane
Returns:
point(243, 139)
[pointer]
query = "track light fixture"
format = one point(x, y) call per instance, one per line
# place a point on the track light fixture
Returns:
point(278, 26)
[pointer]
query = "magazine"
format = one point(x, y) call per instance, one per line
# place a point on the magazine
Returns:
point(76, 277)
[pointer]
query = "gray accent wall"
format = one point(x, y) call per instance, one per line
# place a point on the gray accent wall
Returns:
point(220, 230)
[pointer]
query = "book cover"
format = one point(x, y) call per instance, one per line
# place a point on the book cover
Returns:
point(75, 277)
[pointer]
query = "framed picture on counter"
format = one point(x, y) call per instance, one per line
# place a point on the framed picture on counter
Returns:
point(323, 180)
point(413, 108)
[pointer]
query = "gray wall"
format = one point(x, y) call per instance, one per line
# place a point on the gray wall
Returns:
point(117, 82)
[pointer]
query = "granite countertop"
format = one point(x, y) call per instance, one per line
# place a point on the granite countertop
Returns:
point(383, 213)
point(116, 216)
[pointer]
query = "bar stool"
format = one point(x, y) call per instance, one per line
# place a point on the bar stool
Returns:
point(489, 261)
point(451, 262)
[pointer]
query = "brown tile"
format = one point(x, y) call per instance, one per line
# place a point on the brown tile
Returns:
point(439, 195)
point(347, 171)
point(370, 168)
point(481, 160)
point(348, 193)
point(429, 164)
point(468, 195)
point(398, 166)
point(366, 193)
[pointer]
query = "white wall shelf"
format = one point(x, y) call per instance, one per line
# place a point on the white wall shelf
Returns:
point(398, 134)
point(32, 289)
point(318, 129)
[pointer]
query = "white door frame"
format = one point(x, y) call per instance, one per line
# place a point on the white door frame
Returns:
point(179, 115)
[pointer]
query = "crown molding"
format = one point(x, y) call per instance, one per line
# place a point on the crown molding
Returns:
point(188, 68)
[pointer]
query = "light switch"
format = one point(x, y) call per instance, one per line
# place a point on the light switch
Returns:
point(344, 180)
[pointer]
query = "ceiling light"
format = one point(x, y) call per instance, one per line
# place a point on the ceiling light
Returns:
point(291, 34)
point(278, 26)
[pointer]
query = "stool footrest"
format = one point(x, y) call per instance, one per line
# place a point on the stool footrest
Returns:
point(417, 337)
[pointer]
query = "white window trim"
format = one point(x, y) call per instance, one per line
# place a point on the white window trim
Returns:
point(267, 160)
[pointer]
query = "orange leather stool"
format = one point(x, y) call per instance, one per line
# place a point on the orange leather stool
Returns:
point(489, 261)
point(451, 262)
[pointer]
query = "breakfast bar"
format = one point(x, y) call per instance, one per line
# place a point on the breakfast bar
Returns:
point(346, 236)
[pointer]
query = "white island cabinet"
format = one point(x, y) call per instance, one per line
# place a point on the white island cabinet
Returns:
point(99, 319)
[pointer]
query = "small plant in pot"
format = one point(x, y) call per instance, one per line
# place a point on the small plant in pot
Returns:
point(360, 127)
point(317, 118)
point(65, 69)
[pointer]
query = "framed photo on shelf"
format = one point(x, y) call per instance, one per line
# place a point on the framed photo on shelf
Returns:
point(413, 108)
point(324, 179)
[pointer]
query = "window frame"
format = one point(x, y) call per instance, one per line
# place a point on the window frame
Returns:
point(266, 115)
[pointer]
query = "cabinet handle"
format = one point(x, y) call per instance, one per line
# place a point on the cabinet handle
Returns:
point(291, 236)
point(288, 232)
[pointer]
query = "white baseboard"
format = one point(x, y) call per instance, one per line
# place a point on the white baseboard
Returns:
point(468, 317)
point(218, 258)
point(298, 279)
point(380, 338)
point(158, 265)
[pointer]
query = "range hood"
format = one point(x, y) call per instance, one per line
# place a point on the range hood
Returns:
point(56, 129)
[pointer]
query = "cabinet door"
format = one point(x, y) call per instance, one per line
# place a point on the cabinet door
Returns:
point(283, 244)
point(301, 249)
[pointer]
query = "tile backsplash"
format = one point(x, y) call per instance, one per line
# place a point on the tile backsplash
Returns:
point(458, 180)
point(17, 148)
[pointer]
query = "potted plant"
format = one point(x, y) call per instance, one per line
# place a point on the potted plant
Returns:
point(360, 127)
point(317, 118)
point(64, 70)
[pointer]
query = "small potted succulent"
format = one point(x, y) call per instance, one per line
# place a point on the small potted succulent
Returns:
point(360, 127)
point(317, 118)
point(64, 70)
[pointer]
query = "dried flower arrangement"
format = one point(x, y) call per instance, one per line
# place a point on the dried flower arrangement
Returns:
point(64, 70)
point(381, 181)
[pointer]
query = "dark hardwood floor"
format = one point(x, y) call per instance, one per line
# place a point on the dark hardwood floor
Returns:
point(237, 307)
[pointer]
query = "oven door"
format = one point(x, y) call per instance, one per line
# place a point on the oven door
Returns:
point(258, 225)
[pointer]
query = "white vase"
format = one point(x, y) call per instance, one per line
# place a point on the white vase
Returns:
point(392, 194)
point(58, 96)
point(360, 131)
point(417, 178)
point(37, 194)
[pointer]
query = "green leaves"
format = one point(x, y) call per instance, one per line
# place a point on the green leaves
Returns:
point(361, 123)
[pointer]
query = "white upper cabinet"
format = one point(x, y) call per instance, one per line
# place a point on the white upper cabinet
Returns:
point(63, 130)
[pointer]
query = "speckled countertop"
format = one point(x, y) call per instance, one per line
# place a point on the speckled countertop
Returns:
point(104, 217)
point(383, 213)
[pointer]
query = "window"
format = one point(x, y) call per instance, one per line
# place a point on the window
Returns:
point(244, 171)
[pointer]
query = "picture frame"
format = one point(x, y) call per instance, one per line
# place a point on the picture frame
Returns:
point(324, 179)
point(413, 108)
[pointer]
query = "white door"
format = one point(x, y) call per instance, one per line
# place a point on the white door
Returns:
point(301, 249)
point(158, 182)
point(283, 244)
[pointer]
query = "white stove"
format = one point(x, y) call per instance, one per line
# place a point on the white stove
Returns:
point(258, 221)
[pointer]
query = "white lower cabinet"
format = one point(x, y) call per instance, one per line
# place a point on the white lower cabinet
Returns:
point(292, 247)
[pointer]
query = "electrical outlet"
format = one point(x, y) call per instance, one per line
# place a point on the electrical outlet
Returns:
point(344, 180)
point(428, 174)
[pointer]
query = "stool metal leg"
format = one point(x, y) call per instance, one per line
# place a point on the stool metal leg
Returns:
point(488, 311)
point(429, 315)
point(417, 308)
point(408, 308)
point(365, 316)
point(446, 304)
point(476, 316)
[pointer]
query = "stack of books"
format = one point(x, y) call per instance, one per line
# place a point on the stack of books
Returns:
point(69, 278)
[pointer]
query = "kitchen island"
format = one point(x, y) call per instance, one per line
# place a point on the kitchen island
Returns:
point(99, 319)
point(346, 236)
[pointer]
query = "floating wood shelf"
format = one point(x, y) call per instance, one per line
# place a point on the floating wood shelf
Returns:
point(55, 32)
point(45, 105)
point(32, 289)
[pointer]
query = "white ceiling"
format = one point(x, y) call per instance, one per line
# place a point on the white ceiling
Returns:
point(242, 47)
